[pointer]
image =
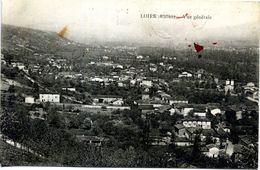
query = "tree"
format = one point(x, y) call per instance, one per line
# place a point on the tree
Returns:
point(12, 89)
point(230, 116)
point(54, 119)
point(35, 88)
point(196, 146)
point(15, 125)
point(208, 140)
point(87, 124)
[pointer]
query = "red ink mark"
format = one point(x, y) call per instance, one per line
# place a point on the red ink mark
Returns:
point(183, 16)
point(198, 47)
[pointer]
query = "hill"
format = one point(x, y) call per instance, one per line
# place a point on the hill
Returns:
point(11, 156)
point(20, 40)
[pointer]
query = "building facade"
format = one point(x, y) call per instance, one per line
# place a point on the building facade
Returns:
point(54, 98)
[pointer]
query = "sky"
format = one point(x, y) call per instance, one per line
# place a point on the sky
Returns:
point(120, 20)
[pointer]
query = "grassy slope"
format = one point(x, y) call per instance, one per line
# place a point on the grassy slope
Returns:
point(11, 156)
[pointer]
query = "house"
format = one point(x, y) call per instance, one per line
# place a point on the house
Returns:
point(176, 80)
point(53, 98)
point(186, 165)
point(223, 128)
point(107, 99)
point(68, 74)
point(145, 96)
point(105, 57)
point(118, 66)
point(91, 140)
point(146, 90)
point(250, 87)
point(19, 65)
point(197, 122)
point(170, 67)
point(182, 141)
point(172, 111)
point(117, 102)
point(247, 140)
point(153, 69)
point(146, 108)
point(215, 111)
point(191, 132)
point(69, 89)
point(178, 100)
point(180, 130)
point(2, 59)
point(199, 112)
point(132, 82)
point(160, 141)
point(241, 151)
point(96, 79)
point(209, 133)
point(139, 57)
point(229, 87)
point(210, 150)
point(121, 84)
point(200, 73)
point(29, 99)
point(185, 111)
point(164, 97)
point(147, 83)
point(256, 95)
point(185, 74)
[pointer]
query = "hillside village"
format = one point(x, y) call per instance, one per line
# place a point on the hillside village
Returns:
point(169, 109)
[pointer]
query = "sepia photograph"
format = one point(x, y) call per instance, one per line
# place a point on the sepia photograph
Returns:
point(130, 83)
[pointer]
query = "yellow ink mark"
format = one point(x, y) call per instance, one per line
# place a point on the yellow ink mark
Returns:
point(63, 32)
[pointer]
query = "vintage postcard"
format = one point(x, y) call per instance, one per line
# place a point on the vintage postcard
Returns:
point(130, 83)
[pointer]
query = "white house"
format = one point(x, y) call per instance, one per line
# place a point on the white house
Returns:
point(211, 151)
point(97, 79)
point(29, 99)
point(215, 111)
point(229, 86)
point(185, 74)
point(105, 57)
point(69, 89)
point(20, 66)
point(147, 83)
point(118, 102)
point(145, 96)
point(203, 123)
point(153, 69)
point(108, 99)
point(54, 98)
point(200, 114)
point(139, 57)
point(186, 111)
point(178, 101)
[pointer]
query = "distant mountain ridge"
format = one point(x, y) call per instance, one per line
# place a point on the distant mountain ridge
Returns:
point(14, 37)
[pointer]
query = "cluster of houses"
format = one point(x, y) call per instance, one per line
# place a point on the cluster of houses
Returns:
point(214, 139)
